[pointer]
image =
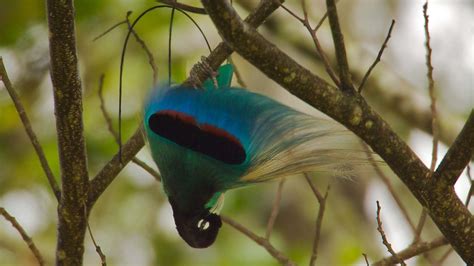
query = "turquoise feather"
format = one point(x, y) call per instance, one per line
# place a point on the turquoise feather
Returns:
point(251, 138)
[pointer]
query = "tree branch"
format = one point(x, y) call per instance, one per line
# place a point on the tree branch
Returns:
point(447, 211)
point(434, 119)
point(188, 8)
point(338, 38)
point(377, 59)
point(275, 210)
point(412, 251)
point(24, 235)
point(471, 190)
point(260, 241)
point(103, 258)
point(319, 49)
point(69, 125)
point(149, 54)
point(403, 100)
point(319, 220)
point(115, 135)
point(29, 130)
point(458, 155)
point(389, 186)
point(264, 9)
point(108, 173)
point(384, 238)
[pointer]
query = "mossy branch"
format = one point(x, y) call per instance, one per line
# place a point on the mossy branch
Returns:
point(450, 215)
point(67, 91)
point(458, 155)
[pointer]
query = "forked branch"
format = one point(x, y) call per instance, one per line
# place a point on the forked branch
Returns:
point(445, 208)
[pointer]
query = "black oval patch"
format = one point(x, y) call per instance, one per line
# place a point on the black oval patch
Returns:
point(207, 139)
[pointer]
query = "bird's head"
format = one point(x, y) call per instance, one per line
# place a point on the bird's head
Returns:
point(198, 228)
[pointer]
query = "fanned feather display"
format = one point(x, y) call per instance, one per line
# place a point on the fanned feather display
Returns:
point(206, 141)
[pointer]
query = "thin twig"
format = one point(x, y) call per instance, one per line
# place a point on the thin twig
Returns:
point(412, 251)
point(108, 121)
point(366, 259)
point(188, 8)
point(319, 49)
point(434, 123)
point(316, 192)
point(389, 186)
point(240, 80)
point(223, 50)
point(379, 56)
point(105, 114)
point(445, 256)
point(103, 258)
point(147, 168)
point(325, 59)
point(29, 130)
point(401, 101)
point(319, 220)
point(434, 126)
point(339, 47)
point(110, 29)
point(384, 238)
point(471, 190)
point(420, 225)
point(151, 59)
point(24, 235)
point(278, 255)
point(292, 13)
point(321, 21)
point(275, 210)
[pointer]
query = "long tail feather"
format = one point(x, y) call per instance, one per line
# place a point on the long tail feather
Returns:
point(290, 142)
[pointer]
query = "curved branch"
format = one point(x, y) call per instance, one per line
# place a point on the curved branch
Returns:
point(448, 212)
point(192, 9)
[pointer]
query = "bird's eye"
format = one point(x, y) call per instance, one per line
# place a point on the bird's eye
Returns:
point(203, 224)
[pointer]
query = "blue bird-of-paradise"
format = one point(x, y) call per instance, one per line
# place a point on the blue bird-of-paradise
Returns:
point(209, 140)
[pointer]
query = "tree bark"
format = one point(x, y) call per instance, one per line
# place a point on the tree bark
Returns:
point(72, 217)
point(350, 109)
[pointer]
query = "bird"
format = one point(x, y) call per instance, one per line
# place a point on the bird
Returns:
point(210, 139)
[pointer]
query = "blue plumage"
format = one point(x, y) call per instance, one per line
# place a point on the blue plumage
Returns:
point(206, 141)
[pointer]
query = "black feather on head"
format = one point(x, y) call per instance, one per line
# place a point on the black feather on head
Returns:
point(198, 228)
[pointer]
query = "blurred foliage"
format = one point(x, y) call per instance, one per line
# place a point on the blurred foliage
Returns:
point(132, 221)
